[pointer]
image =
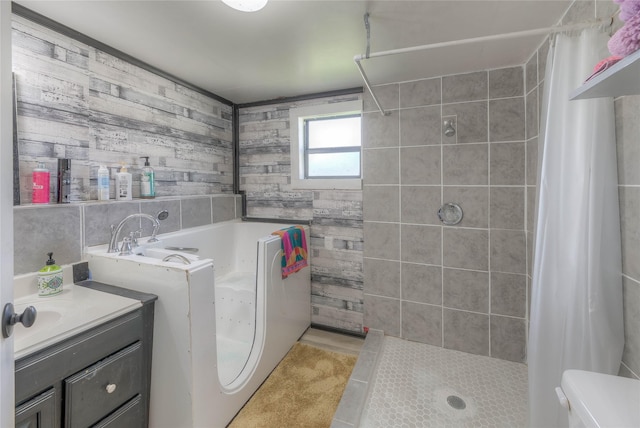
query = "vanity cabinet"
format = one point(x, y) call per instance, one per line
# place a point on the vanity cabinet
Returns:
point(98, 378)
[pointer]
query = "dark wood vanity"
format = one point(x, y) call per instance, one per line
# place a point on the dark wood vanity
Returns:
point(99, 377)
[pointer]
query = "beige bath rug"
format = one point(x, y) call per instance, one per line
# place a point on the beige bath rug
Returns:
point(303, 391)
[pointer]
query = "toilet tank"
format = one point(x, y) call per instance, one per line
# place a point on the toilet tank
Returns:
point(600, 400)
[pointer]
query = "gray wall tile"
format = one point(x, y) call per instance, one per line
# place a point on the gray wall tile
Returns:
point(153, 207)
point(38, 230)
point(388, 96)
point(421, 93)
point(508, 253)
point(465, 87)
point(507, 119)
point(383, 314)
point(382, 277)
point(196, 212)
point(627, 132)
point(532, 161)
point(466, 248)
point(381, 203)
point(508, 338)
point(474, 202)
point(508, 294)
point(531, 73)
point(630, 227)
point(421, 244)
point(422, 323)
point(531, 207)
point(466, 290)
point(98, 217)
point(466, 331)
point(381, 166)
point(506, 210)
point(420, 204)
point(421, 283)
point(383, 240)
point(631, 356)
point(507, 164)
point(506, 82)
point(420, 165)
point(470, 123)
point(465, 165)
point(532, 112)
point(543, 52)
point(380, 131)
point(420, 126)
point(224, 208)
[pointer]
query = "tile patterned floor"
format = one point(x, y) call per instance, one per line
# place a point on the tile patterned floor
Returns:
point(413, 382)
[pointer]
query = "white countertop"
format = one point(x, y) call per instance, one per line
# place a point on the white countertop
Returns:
point(63, 315)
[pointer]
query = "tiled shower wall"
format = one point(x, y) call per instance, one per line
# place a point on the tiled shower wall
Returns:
point(77, 102)
point(336, 241)
point(464, 286)
point(628, 144)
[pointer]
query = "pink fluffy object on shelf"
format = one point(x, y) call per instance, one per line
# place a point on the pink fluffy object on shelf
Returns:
point(626, 40)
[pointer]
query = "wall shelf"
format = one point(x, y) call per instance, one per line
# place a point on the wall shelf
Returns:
point(623, 78)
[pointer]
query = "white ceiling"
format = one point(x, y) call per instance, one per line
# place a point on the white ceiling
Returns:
point(298, 47)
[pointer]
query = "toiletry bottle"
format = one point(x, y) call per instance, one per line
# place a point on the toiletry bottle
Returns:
point(50, 278)
point(123, 184)
point(103, 183)
point(40, 185)
point(147, 180)
point(64, 181)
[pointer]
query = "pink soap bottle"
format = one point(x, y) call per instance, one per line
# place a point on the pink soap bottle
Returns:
point(40, 185)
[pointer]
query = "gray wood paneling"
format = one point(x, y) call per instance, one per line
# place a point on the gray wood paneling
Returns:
point(77, 102)
point(336, 240)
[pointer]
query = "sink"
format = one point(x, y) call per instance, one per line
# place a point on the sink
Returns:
point(58, 317)
point(601, 400)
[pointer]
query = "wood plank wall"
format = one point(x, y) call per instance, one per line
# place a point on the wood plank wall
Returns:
point(77, 102)
point(336, 216)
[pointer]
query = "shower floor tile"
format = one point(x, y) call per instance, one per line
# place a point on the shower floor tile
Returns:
point(418, 385)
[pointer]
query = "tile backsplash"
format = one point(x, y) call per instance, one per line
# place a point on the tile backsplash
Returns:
point(67, 229)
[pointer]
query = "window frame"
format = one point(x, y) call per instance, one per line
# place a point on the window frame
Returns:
point(299, 161)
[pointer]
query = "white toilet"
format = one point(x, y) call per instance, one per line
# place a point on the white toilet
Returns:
point(600, 400)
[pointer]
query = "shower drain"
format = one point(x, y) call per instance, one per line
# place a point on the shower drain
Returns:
point(456, 402)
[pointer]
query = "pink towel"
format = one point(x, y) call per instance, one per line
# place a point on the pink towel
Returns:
point(294, 249)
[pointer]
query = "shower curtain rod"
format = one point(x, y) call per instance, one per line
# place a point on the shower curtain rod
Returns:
point(539, 31)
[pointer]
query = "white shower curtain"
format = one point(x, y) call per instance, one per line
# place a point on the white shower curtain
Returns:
point(576, 306)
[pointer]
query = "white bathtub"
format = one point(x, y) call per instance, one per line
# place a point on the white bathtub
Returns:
point(214, 345)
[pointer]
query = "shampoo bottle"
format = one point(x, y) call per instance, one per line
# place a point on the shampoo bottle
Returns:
point(40, 185)
point(123, 184)
point(50, 278)
point(103, 183)
point(147, 180)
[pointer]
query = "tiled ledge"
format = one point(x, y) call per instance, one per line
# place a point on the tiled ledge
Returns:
point(355, 394)
point(66, 229)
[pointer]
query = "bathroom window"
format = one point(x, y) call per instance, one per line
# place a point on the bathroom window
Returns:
point(326, 146)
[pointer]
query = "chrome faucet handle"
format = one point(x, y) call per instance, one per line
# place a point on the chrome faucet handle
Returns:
point(126, 247)
point(134, 237)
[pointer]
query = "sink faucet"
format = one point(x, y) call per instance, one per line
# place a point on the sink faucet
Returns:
point(115, 231)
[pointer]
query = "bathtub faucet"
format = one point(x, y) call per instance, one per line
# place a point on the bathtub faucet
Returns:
point(115, 231)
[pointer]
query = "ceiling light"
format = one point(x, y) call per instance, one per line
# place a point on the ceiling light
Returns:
point(246, 5)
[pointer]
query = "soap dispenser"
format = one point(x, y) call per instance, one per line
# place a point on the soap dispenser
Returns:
point(123, 184)
point(50, 278)
point(147, 180)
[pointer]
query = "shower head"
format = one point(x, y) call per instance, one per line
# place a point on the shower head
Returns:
point(449, 130)
point(162, 215)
